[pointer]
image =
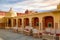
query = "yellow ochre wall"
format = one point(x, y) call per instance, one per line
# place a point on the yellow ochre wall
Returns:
point(55, 14)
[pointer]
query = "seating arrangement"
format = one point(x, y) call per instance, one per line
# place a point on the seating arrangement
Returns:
point(48, 30)
point(48, 33)
point(28, 30)
point(20, 30)
point(15, 29)
point(35, 32)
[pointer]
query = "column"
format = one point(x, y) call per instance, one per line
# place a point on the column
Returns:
point(30, 22)
point(7, 22)
point(22, 23)
point(12, 22)
point(17, 22)
point(54, 23)
point(59, 21)
point(39, 24)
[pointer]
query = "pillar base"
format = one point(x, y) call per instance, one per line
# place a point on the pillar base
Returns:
point(7, 28)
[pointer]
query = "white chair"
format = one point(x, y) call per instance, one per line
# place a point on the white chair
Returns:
point(48, 30)
point(52, 34)
point(28, 27)
point(58, 31)
point(20, 29)
point(15, 29)
point(27, 30)
point(53, 31)
point(35, 33)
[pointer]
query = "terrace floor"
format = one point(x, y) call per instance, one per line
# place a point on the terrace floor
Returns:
point(9, 35)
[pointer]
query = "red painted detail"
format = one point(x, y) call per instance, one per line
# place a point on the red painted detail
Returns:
point(51, 34)
point(27, 29)
point(2, 13)
point(19, 22)
point(35, 21)
point(57, 34)
point(46, 20)
point(26, 22)
point(40, 33)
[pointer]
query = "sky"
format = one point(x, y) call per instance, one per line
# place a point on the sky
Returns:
point(34, 5)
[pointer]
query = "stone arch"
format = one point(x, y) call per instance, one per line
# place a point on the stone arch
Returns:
point(48, 21)
point(9, 22)
point(19, 22)
point(26, 22)
point(35, 22)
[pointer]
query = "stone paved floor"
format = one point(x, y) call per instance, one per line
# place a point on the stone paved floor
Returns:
point(9, 35)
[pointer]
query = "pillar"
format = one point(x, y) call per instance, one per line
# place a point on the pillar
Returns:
point(12, 22)
point(7, 22)
point(59, 20)
point(30, 22)
point(41, 23)
point(22, 23)
point(54, 23)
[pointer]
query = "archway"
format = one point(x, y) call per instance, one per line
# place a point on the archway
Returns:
point(19, 22)
point(48, 21)
point(35, 22)
point(26, 22)
point(9, 22)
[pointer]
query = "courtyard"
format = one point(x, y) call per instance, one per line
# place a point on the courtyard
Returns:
point(9, 35)
point(45, 24)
